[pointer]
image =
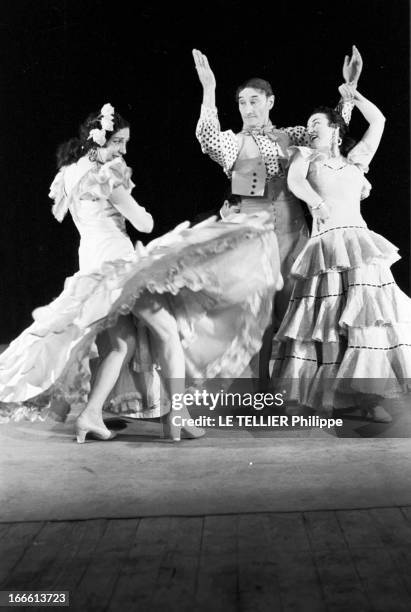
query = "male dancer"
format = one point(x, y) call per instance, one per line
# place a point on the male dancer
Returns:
point(255, 160)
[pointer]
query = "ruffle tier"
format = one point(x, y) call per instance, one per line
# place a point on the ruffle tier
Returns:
point(343, 248)
point(324, 307)
point(347, 329)
point(338, 374)
point(200, 272)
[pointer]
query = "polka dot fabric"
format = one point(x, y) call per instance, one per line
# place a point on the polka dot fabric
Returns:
point(224, 147)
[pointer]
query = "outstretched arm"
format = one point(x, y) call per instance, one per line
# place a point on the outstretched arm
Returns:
point(222, 147)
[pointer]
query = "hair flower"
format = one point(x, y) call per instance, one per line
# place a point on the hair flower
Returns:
point(107, 123)
point(107, 110)
point(99, 136)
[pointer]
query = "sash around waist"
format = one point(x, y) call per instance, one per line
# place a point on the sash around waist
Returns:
point(287, 215)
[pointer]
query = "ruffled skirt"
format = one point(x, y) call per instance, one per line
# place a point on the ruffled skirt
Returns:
point(218, 281)
point(346, 335)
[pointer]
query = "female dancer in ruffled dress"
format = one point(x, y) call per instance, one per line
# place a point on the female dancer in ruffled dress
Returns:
point(346, 337)
point(180, 303)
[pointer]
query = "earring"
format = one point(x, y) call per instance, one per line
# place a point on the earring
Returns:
point(92, 155)
point(335, 142)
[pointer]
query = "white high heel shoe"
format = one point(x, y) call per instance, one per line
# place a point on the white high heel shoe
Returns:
point(84, 427)
point(376, 414)
point(176, 433)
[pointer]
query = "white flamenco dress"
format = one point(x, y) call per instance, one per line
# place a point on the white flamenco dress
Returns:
point(217, 279)
point(346, 336)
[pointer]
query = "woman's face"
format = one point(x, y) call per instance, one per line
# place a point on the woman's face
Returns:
point(320, 131)
point(116, 146)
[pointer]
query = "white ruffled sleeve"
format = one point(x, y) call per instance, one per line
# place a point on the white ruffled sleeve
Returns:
point(361, 155)
point(58, 194)
point(99, 183)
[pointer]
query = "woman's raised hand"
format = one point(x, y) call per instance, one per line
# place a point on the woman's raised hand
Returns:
point(352, 67)
point(205, 74)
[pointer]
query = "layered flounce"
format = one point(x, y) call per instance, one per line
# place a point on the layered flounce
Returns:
point(347, 329)
point(200, 273)
point(342, 248)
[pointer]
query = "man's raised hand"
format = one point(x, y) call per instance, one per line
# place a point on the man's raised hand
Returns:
point(205, 74)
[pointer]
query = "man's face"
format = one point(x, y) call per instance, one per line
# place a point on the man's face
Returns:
point(254, 106)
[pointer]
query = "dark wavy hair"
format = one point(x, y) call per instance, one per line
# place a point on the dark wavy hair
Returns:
point(256, 83)
point(335, 119)
point(70, 151)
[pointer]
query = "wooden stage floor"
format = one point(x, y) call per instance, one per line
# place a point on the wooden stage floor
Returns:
point(318, 561)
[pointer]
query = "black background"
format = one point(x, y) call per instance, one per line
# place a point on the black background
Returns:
point(63, 59)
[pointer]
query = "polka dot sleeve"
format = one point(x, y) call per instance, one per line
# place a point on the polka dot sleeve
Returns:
point(298, 135)
point(222, 147)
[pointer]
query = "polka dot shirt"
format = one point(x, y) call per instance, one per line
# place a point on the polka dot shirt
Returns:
point(224, 147)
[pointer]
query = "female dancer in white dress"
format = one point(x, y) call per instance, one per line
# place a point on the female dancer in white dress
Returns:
point(346, 337)
point(186, 289)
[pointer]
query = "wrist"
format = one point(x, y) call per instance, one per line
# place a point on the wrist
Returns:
point(209, 98)
point(318, 205)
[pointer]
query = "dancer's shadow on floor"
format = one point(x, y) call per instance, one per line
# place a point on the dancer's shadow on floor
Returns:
point(355, 425)
point(137, 430)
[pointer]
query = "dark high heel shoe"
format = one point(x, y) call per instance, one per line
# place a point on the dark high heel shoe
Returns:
point(376, 414)
point(85, 427)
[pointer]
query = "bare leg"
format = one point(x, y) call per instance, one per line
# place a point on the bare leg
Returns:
point(171, 357)
point(119, 343)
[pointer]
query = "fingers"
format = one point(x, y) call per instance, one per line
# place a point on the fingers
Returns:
point(320, 222)
point(358, 56)
point(206, 64)
point(181, 227)
point(197, 58)
point(200, 59)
